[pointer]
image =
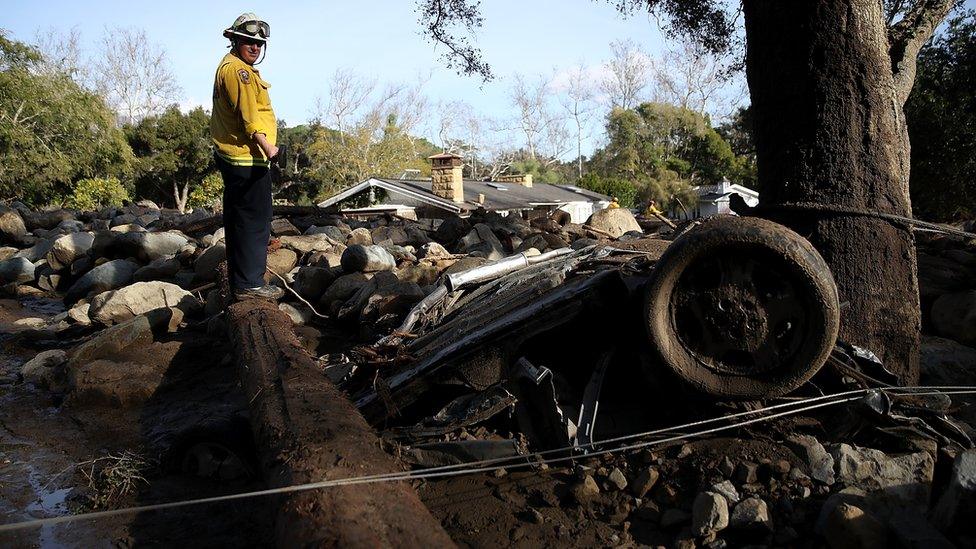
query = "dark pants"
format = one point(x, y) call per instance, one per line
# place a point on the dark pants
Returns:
point(247, 222)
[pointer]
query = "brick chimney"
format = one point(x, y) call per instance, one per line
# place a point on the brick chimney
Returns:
point(524, 179)
point(446, 174)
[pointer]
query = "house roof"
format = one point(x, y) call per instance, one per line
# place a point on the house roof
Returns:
point(498, 195)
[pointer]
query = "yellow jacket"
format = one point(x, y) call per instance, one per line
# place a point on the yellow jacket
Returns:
point(241, 108)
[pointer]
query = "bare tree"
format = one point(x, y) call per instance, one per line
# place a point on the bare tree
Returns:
point(62, 53)
point(348, 92)
point(692, 77)
point(134, 75)
point(529, 101)
point(578, 100)
point(628, 72)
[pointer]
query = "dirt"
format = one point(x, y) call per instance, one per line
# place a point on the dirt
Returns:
point(47, 445)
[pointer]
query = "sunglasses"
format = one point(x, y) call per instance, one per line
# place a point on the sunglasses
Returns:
point(257, 28)
point(251, 42)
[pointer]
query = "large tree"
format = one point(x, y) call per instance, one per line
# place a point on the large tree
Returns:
point(828, 80)
point(53, 132)
point(173, 152)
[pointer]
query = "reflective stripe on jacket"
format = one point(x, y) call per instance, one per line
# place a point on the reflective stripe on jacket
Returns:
point(241, 108)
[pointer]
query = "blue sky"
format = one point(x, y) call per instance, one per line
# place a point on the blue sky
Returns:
point(378, 38)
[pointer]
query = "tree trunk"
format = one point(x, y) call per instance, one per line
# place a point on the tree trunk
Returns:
point(830, 132)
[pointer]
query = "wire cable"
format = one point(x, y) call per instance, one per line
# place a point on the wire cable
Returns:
point(486, 465)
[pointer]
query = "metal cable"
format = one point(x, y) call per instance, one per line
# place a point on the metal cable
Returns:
point(486, 465)
point(844, 210)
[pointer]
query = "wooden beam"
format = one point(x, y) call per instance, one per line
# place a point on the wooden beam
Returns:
point(306, 430)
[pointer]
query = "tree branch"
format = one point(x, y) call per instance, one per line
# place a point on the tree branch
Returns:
point(908, 35)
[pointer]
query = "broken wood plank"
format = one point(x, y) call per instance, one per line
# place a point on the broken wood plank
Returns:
point(307, 431)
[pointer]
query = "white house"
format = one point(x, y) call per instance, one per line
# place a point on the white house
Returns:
point(714, 200)
point(447, 192)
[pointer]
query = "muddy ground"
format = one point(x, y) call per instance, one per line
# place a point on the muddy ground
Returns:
point(193, 434)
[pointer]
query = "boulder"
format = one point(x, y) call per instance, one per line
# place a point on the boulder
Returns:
point(150, 246)
point(392, 235)
point(644, 482)
point(955, 512)
point(304, 244)
point(343, 288)
point(45, 219)
point(451, 230)
point(46, 369)
point(68, 248)
point(751, 513)
point(482, 242)
point(120, 305)
point(311, 282)
point(335, 233)
point(158, 269)
point(710, 514)
point(16, 270)
point(432, 249)
point(299, 313)
point(79, 313)
point(849, 526)
point(423, 274)
point(325, 260)
point(819, 462)
point(463, 264)
point(954, 316)
point(901, 480)
point(727, 490)
point(367, 259)
point(38, 251)
point(585, 490)
point(205, 267)
point(114, 385)
point(360, 236)
point(945, 362)
point(617, 479)
point(6, 252)
point(12, 228)
point(614, 221)
point(107, 276)
point(283, 227)
point(282, 260)
point(112, 340)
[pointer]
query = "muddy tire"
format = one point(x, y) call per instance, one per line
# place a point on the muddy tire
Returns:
point(742, 308)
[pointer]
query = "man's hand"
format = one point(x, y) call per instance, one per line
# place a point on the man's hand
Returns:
point(270, 151)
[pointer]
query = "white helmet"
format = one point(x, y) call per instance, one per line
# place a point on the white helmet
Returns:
point(247, 25)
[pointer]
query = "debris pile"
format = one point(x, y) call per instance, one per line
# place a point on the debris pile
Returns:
point(521, 347)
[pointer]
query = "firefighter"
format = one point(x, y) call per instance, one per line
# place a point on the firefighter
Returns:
point(244, 132)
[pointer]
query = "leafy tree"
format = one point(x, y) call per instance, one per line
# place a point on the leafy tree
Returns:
point(92, 194)
point(738, 133)
point(173, 152)
point(625, 191)
point(376, 146)
point(52, 131)
point(941, 116)
point(209, 192)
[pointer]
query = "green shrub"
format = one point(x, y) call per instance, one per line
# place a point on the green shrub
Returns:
point(94, 193)
point(209, 192)
point(625, 191)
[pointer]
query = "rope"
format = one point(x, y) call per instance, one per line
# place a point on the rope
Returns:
point(486, 465)
point(844, 210)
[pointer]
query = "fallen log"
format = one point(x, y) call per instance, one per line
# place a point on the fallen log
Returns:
point(306, 430)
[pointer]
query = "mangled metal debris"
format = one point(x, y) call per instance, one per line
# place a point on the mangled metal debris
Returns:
point(563, 342)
